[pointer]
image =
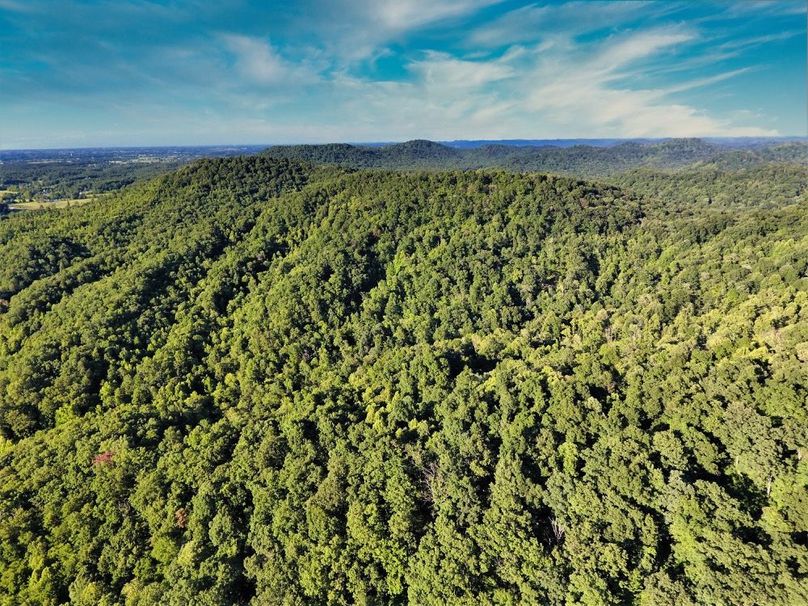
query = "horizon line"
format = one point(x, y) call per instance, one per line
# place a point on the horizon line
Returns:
point(396, 142)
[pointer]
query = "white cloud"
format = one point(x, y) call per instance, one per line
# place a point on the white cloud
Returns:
point(559, 87)
point(551, 81)
point(260, 63)
point(556, 90)
point(614, 55)
point(403, 15)
point(708, 81)
point(356, 30)
point(535, 22)
point(745, 43)
point(592, 95)
point(769, 7)
point(444, 72)
point(17, 7)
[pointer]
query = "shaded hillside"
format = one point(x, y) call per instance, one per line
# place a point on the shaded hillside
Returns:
point(253, 381)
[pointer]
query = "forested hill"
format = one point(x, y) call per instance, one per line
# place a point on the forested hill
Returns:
point(253, 381)
point(578, 160)
point(58, 175)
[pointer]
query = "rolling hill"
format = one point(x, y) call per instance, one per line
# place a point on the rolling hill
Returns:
point(266, 381)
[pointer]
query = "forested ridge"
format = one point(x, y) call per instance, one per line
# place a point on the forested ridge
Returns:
point(50, 175)
point(577, 160)
point(257, 380)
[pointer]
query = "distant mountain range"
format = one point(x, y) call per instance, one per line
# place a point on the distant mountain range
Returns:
point(580, 157)
point(69, 173)
point(737, 142)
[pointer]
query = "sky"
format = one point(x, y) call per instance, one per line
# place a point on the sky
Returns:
point(195, 72)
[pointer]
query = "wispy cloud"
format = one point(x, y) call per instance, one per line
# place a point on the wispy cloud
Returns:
point(442, 71)
point(746, 43)
point(13, 5)
point(539, 21)
point(402, 15)
point(317, 70)
point(771, 7)
point(709, 81)
point(353, 30)
point(559, 89)
point(261, 63)
point(594, 94)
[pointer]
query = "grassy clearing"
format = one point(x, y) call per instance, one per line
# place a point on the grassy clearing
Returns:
point(68, 203)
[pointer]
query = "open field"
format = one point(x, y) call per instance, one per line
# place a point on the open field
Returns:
point(39, 205)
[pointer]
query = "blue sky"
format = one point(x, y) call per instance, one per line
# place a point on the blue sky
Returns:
point(88, 73)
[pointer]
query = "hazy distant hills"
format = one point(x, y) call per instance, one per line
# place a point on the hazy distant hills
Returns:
point(732, 142)
point(71, 173)
point(607, 157)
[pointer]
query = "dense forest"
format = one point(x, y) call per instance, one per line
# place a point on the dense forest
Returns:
point(269, 380)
